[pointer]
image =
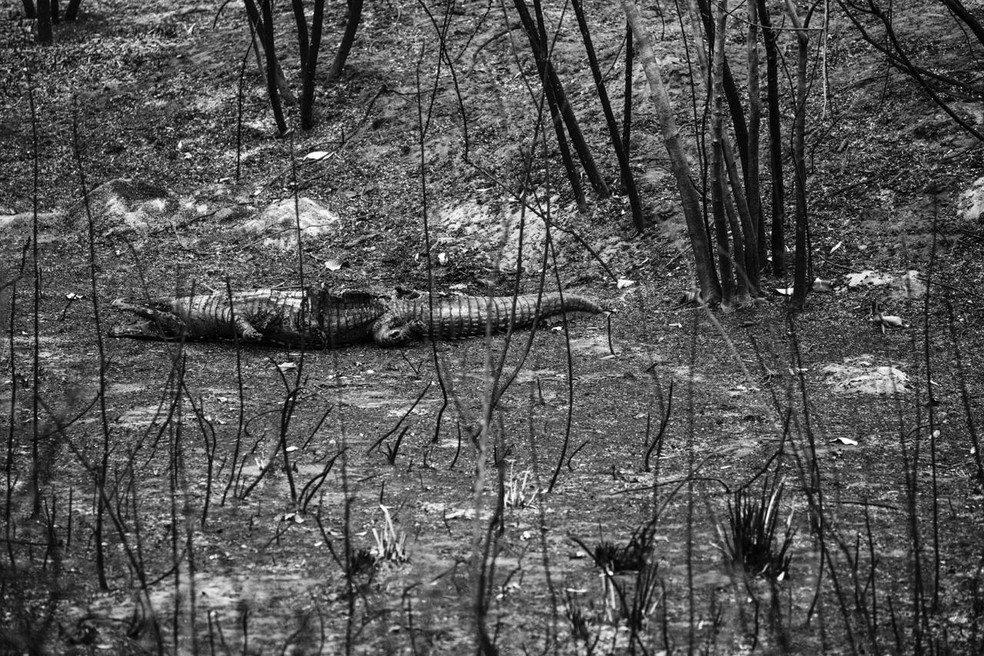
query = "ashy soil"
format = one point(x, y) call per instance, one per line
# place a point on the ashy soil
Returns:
point(209, 497)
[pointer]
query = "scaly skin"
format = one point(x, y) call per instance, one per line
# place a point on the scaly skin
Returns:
point(322, 319)
point(470, 316)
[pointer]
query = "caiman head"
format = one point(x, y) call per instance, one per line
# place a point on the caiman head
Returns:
point(391, 330)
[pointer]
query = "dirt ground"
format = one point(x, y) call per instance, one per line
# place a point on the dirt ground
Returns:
point(268, 500)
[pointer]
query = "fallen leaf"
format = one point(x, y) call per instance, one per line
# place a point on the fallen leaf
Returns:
point(624, 282)
point(821, 286)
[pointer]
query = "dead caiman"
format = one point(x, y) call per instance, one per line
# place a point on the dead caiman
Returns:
point(318, 318)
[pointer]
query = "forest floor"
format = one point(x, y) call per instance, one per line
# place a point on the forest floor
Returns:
point(263, 500)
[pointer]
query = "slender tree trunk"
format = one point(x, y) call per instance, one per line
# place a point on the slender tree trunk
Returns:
point(628, 184)
point(302, 31)
point(733, 203)
point(539, 50)
point(311, 66)
point(719, 186)
point(731, 93)
point(778, 237)
point(690, 200)
point(577, 138)
point(348, 38)
point(752, 188)
point(45, 34)
point(627, 103)
point(538, 42)
point(266, 36)
point(800, 282)
point(257, 33)
point(961, 12)
point(566, 156)
point(743, 230)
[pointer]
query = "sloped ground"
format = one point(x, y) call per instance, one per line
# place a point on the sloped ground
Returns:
point(198, 473)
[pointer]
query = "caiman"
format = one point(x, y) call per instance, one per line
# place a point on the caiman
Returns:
point(319, 318)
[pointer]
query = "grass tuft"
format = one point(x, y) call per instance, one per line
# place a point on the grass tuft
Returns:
point(753, 541)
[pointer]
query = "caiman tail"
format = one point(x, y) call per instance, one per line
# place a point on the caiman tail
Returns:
point(470, 316)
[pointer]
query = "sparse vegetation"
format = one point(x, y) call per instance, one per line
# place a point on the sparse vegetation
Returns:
point(789, 472)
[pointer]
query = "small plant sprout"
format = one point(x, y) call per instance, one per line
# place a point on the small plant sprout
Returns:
point(391, 545)
point(752, 541)
point(632, 557)
point(519, 492)
point(361, 561)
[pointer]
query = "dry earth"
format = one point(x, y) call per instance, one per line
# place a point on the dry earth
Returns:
point(243, 483)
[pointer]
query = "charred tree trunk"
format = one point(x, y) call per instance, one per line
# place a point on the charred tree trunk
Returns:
point(265, 30)
point(752, 188)
point(310, 65)
point(800, 275)
point(45, 34)
point(348, 38)
point(553, 87)
point(628, 183)
point(778, 237)
point(727, 260)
